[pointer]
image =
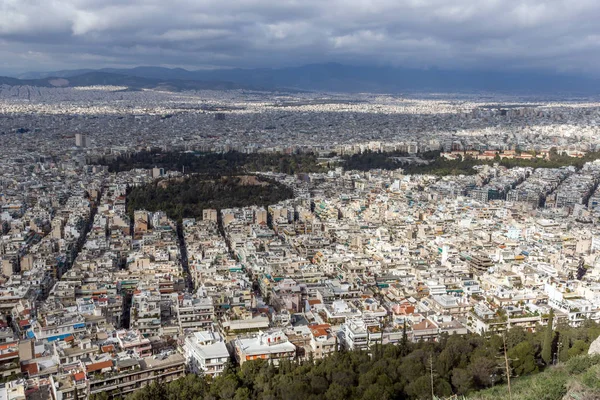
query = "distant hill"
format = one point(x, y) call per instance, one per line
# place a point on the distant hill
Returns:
point(346, 78)
point(56, 74)
point(77, 79)
point(5, 80)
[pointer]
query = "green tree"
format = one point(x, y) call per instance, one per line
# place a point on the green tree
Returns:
point(454, 354)
point(462, 364)
point(516, 335)
point(523, 359)
point(225, 386)
point(563, 351)
point(548, 340)
point(579, 347)
point(337, 392)
point(404, 344)
point(318, 384)
point(462, 380)
point(191, 386)
point(155, 391)
point(242, 394)
point(420, 388)
point(482, 370)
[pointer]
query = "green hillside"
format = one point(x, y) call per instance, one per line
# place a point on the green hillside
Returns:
point(577, 379)
point(465, 365)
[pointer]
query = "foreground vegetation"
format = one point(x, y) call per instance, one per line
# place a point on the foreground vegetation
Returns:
point(462, 365)
point(187, 197)
point(577, 379)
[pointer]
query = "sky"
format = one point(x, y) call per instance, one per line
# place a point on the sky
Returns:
point(49, 35)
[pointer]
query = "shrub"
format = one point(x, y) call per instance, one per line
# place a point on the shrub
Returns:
point(580, 364)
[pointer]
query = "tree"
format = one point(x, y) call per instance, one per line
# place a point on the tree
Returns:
point(225, 386)
point(249, 371)
point(482, 369)
point(337, 392)
point(461, 364)
point(420, 388)
point(454, 354)
point(191, 386)
point(548, 340)
point(404, 341)
point(515, 335)
point(413, 365)
point(563, 350)
point(523, 359)
point(579, 347)
point(155, 391)
point(242, 394)
point(318, 384)
point(462, 380)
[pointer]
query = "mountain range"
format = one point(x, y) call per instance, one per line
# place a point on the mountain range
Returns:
point(321, 77)
point(130, 80)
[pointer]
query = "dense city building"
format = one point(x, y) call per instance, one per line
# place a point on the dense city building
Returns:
point(98, 297)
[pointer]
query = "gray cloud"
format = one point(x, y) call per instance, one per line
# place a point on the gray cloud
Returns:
point(53, 34)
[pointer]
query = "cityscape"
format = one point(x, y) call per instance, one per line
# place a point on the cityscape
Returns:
point(328, 200)
point(97, 299)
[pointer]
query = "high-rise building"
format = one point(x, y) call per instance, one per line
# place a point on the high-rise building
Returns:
point(80, 140)
point(209, 214)
point(158, 172)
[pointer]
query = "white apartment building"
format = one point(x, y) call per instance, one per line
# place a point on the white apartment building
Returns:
point(205, 352)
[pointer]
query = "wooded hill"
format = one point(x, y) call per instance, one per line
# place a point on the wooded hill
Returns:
point(187, 197)
point(460, 365)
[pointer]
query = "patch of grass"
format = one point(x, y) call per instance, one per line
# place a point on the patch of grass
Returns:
point(578, 379)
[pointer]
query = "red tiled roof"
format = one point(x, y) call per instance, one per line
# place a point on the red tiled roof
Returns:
point(79, 376)
point(99, 366)
point(108, 348)
point(9, 355)
point(30, 369)
point(320, 330)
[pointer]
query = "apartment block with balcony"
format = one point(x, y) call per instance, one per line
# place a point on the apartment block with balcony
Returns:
point(122, 376)
point(194, 313)
point(205, 352)
point(322, 341)
point(273, 346)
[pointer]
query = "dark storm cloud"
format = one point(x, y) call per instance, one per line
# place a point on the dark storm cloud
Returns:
point(48, 34)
